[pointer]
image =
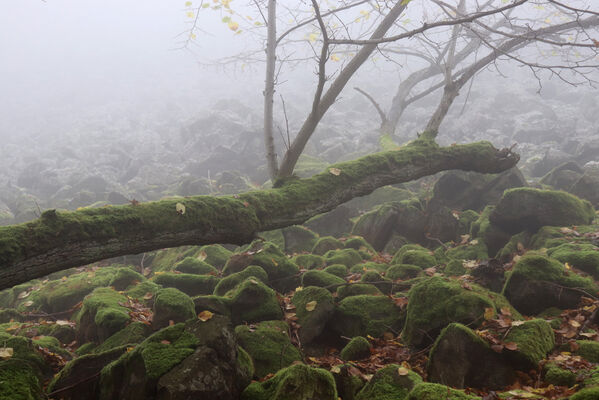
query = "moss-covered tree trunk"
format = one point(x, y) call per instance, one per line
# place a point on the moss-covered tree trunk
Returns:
point(60, 240)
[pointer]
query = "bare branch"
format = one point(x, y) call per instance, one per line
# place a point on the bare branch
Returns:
point(375, 104)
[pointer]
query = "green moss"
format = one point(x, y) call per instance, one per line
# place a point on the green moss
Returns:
point(312, 320)
point(512, 247)
point(172, 304)
point(403, 271)
point(253, 301)
point(407, 247)
point(325, 244)
point(582, 256)
point(19, 381)
point(347, 257)
point(421, 258)
point(216, 255)
point(356, 289)
point(385, 285)
point(387, 384)
point(534, 339)
point(466, 220)
point(269, 346)
point(141, 289)
point(10, 314)
point(366, 315)
point(591, 393)
point(244, 360)
point(558, 376)
point(589, 350)
point(52, 344)
point(134, 333)
point(339, 270)
point(455, 268)
point(369, 266)
point(469, 251)
point(229, 282)
point(190, 284)
point(295, 382)
point(103, 307)
point(357, 349)
point(309, 261)
point(299, 239)
point(322, 279)
point(435, 391)
point(359, 243)
point(193, 265)
point(86, 348)
point(125, 277)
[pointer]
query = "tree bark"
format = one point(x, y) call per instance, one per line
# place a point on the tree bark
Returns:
point(269, 90)
point(60, 240)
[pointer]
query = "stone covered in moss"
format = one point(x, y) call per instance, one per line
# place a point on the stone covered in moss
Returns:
point(359, 243)
point(52, 344)
point(356, 289)
point(529, 209)
point(314, 307)
point(325, 244)
point(436, 302)
point(591, 393)
point(537, 283)
point(388, 384)
point(282, 272)
point(460, 358)
point(229, 282)
point(347, 257)
point(19, 381)
point(369, 266)
point(323, 279)
point(216, 304)
point(141, 290)
point(190, 284)
point(455, 268)
point(268, 345)
point(24, 350)
point(405, 248)
point(134, 333)
point(297, 382)
point(385, 285)
point(534, 339)
point(9, 315)
point(102, 315)
point(557, 376)
point(193, 265)
point(253, 301)
point(309, 261)
point(475, 250)
point(366, 315)
point(589, 350)
point(298, 239)
point(582, 256)
point(403, 271)
point(493, 236)
point(357, 349)
point(421, 258)
point(435, 391)
point(339, 270)
point(171, 304)
point(216, 255)
point(125, 277)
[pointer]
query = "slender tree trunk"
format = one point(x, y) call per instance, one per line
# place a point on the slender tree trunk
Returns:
point(269, 90)
point(60, 240)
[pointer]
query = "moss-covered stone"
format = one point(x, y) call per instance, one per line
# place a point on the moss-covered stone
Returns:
point(298, 239)
point(229, 282)
point(514, 246)
point(190, 284)
point(491, 235)
point(366, 315)
point(475, 250)
point(589, 350)
point(297, 382)
point(19, 381)
point(312, 320)
point(455, 268)
point(140, 290)
point(171, 304)
point(435, 391)
point(359, 243)
point(339, 270)
point(268, 345)
point(216, 255)
point(534, 339)
point(403, 271)
point(245, 361)
point(421, 258)
point(52, 344)
point(385, 285)
point(125, 277)
point(537, 283)
point(213, 303)
point(357, 349)
point(388, 384)
point(369, 266)
point(309, 261)
point(582, 256)
point(591, 393)
point(24, 350)
point(134, 333)
point(322, 279)
point(10, 315)
point(407, 247)
point(529, 209)
point(557, 376)
point(193, 265)
point(347, 257)
point(357, 289)
point(436, 302)
point(325, 244)
point(102, 315)
point(253, 301)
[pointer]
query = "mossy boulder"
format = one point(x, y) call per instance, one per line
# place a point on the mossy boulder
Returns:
point(403, 271)
point(347, 257)
point(268, 345)
point(282, 273)
point(298, 239)
point(297, 382)
point(491, 235)
point(198, 359)
point(309, 261)
point(322, 279)
point(125, 277)
point(557, 376)
point(134, 333)
point(190, 284)
point(357, 289)
point(385, 285)
point(589, 350)
point(363, 315)
point(359, 243)
point(435, 391)
point(436, 302)
point(460, 358)
point(171, 304)
point(142, 289)
point(537, 283)
point(253, 301)
point(455, 268)
point(388, 384)
point(19, 381)
point(369, 266)
point(314, 306)
point(24, 350)
point(591, 393)
point(474, 250)
point(193, 265)
point(216, 304)
point(535, 340)
point(421, 258)
point(585, 257)
point(403, 249)
point(529, 209)
point(358, 348)
point(229, 282)
point(325, 244)
point(216, 255)
point(339, 270)
point(102, 315)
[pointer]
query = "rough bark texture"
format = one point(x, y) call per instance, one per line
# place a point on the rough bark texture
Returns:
point(60, 240)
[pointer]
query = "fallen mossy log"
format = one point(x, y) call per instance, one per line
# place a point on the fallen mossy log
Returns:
point(60, 239)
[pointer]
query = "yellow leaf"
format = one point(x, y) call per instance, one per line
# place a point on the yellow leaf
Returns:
point(233, 25)
point(404, 2)
point(489, 313)
point(202, 255)
point(336, 369)
point(188, 4)
point(311, 305)
point(312, 37)
point(22, 295)
point(335, 57)
point(28, 303)
point(190, 14)
point(205, 315)
point(335, 171)
point(299, 289)
point(402, 371)
point(180, 208)
point(568, 266)
point(6, 353)
point(517, 323)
